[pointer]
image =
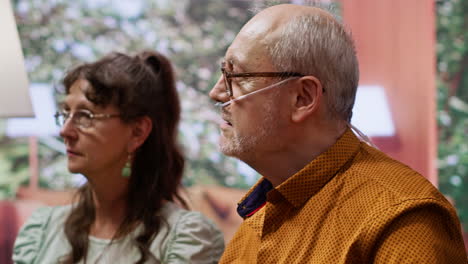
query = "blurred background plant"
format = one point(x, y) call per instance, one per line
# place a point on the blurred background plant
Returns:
point(58, 34)
point(452, 102)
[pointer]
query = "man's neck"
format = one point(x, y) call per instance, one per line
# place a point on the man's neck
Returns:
point(279, 166)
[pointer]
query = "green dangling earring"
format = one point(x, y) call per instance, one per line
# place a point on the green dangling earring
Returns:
point(127, 169)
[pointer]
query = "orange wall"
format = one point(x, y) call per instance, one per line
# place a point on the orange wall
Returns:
point(395, 41)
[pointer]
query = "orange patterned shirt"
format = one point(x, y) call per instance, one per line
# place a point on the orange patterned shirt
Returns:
point(352, 204)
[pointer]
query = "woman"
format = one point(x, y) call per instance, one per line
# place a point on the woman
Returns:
point(119, 124)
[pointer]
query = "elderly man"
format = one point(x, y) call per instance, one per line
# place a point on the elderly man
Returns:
point(286, 93)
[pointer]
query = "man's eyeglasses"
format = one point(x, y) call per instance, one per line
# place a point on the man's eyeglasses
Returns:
point(278, 84)
point(229, 75)
point(81, 118)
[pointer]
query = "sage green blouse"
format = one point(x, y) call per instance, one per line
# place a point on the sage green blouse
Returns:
point(188, 238)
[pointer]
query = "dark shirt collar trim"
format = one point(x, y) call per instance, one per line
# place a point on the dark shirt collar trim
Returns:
point(255, 200)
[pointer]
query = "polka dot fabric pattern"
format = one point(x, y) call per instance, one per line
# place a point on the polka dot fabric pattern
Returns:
point(352, 204)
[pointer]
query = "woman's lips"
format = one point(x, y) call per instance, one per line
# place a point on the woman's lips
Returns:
point(72, 153)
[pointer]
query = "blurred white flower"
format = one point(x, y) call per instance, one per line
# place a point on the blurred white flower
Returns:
point(456, 180)
point(452, 159)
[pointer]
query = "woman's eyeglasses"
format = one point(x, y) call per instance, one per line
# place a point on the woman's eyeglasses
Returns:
point(81, 118)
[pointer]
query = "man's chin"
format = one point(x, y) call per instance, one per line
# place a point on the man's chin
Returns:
point(234, 147)
point(227, 149)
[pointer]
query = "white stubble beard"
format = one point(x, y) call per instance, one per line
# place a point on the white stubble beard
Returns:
point(246, 147)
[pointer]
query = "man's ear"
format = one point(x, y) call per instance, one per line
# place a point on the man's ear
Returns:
point(141, 128)
point(307, 98)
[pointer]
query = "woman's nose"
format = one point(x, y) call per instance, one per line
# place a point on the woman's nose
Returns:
point(68, 129)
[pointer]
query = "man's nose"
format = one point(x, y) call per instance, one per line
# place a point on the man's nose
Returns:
point(218, 92)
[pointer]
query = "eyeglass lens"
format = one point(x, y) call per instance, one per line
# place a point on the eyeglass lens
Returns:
point(227, 82)
point(80, 119)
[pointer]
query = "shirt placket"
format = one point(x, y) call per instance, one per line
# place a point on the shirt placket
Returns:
point(276, 212)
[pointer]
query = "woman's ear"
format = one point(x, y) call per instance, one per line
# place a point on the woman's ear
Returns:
point(307, 98)
point(141, 128)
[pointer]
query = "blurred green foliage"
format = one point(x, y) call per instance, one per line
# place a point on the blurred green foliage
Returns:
point(452, 102)
point(58, 34)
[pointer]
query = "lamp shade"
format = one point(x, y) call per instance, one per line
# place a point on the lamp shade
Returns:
point(14, 91)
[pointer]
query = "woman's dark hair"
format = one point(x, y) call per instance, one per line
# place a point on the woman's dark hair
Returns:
point(138, 86)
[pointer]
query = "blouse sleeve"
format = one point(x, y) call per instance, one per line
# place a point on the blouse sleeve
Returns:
point(30, 237)
point(194, 239)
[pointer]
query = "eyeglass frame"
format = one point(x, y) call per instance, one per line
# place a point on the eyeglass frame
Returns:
point(225, 104)
point(92, 116)
point(227, 76)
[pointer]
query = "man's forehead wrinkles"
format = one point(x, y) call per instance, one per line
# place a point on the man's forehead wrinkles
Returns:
point(249, 53)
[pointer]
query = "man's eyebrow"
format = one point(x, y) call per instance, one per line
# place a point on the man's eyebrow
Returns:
point(234, 65)
point(228, 63)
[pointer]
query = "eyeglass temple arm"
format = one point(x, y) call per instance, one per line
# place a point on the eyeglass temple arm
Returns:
point(222, 105)
point(263, 74)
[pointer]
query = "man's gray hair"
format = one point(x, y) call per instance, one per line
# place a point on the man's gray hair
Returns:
point(320, 46)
